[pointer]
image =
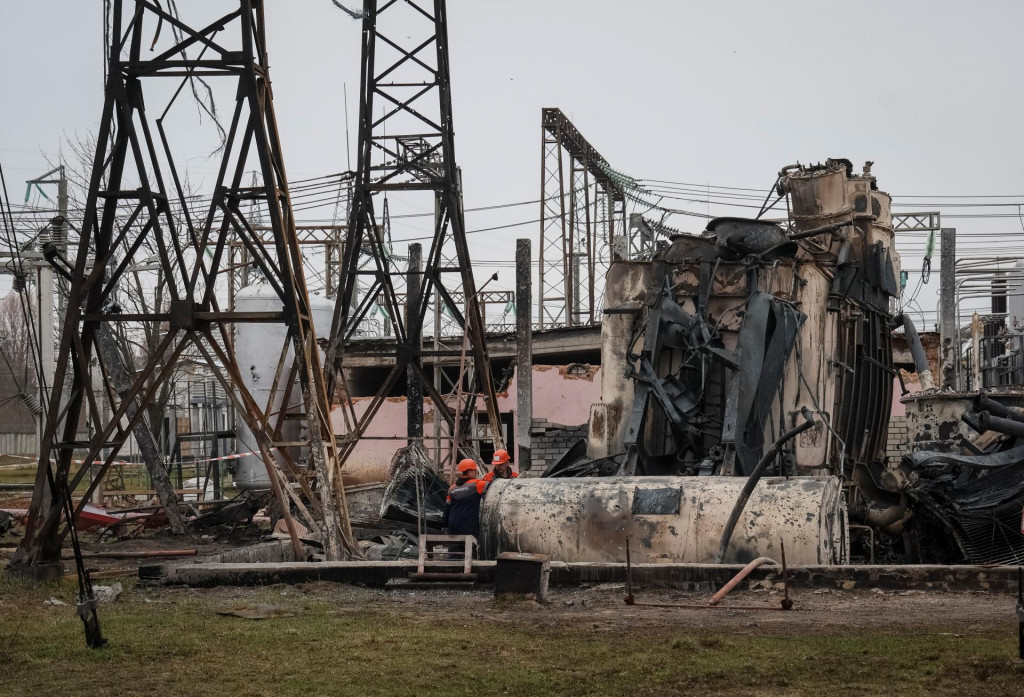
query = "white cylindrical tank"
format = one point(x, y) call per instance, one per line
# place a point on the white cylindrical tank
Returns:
point(258, 350)
point(667, 519)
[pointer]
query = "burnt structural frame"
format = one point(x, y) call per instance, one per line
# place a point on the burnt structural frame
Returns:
point(193, 317)
point(582, 208)
point(420, 161)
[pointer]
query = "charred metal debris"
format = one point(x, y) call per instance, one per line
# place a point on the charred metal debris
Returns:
point(730, 339)
point(729, 335)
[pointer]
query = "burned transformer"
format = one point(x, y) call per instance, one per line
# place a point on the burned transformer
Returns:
point(758, 351)
point(747, 385)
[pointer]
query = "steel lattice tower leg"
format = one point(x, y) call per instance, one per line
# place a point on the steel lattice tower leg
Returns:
point(136, 205)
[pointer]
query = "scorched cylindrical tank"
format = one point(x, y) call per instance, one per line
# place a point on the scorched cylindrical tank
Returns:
point(667, 519)
point(258, 349)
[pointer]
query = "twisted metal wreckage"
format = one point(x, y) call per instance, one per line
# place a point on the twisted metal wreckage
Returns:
point(753, 335)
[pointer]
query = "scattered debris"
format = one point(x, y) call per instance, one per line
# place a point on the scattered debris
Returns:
point(238, 512)
point(108, 594)
point(415, 492)
point(6, 522)
point(54, 602)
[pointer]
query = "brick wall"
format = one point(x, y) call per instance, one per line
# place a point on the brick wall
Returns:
point(896, 446)
point(549, 443)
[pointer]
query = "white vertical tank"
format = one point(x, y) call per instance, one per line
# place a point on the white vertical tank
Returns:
point(257, 350)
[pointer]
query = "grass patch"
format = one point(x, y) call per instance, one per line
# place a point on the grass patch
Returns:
point(357, 642)
point(17, 473)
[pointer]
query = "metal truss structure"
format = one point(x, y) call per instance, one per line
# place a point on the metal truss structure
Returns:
point(446, 327)
point(406, 144)
point(137, 203)
point(315, 240)
point(582, 224)
point(922, 222)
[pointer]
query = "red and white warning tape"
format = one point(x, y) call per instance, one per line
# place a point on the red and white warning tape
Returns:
point(126, 462)
point(190, 462)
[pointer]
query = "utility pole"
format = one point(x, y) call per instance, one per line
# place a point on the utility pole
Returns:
point(412, 309)
point(524, 355)
point(949, 339)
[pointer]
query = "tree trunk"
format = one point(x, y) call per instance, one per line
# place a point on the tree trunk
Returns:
point(122, 383)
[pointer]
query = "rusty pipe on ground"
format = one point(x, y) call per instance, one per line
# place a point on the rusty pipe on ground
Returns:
point(755, 477)
point(712, 604)
point(744, 572)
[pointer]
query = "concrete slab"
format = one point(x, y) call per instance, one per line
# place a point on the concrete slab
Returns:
point(686, 576)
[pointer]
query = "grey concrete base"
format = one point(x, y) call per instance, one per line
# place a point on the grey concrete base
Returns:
point(686, 576)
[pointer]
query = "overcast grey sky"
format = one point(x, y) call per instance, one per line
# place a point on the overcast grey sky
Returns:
point(719, 93)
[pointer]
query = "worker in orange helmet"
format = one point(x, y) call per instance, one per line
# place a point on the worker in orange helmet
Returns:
point(502, 467)
point(462, 507)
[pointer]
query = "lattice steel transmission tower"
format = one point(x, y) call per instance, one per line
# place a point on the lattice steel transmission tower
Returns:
point(406, 144)
point(137, 206)
point(582, 224)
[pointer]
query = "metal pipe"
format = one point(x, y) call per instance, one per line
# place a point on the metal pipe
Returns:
point(984, 403)
point(787, 602)
point(924, 371)
point(138, 555)
point(744, 572)
point(988, 422)
point(705, 607)
point(629, 576)
point(832, 227)
point(871, 537)
point(755, 476)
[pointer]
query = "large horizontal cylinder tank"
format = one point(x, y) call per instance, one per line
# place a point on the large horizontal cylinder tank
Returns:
point(258, 350)
point(667, 519)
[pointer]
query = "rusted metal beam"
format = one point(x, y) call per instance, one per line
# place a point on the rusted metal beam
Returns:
point(128, 175)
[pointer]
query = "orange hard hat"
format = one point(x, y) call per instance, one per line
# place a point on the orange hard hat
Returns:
point(500, 457)
point(466, 465)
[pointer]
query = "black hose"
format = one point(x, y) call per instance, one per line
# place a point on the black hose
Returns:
point(984, 403)
point(755, 477)
point(921, 367)
point(1010, 427)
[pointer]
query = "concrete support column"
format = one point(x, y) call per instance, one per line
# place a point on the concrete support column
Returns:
point(412, 310)
point(524, 354)
point(948, 329)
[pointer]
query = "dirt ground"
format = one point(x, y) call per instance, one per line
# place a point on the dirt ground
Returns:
point(602, 607)
point(583, 641)
point(325, 638)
